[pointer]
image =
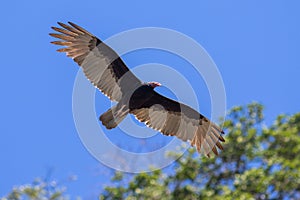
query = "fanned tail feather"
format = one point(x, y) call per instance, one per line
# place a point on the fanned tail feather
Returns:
point(111, 118)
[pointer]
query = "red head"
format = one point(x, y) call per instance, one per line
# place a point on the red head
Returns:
point(153, 84)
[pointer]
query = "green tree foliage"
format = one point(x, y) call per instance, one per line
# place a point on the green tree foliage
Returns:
point(258, 162)
point(38, 190)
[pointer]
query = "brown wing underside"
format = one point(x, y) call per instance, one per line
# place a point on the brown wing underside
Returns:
point(176, 119)
point(100, 64)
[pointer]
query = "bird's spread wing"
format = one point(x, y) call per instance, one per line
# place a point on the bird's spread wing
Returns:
point(176, 119)
point(100, 64)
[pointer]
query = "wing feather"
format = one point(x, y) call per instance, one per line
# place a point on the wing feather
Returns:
point(173, 118)
point(100, 64)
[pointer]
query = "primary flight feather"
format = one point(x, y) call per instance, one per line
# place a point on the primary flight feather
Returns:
point(107, 72)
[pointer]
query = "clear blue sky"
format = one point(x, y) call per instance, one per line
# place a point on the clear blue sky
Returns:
point(255, 45)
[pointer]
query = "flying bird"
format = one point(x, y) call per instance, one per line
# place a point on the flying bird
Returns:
point(108, 73)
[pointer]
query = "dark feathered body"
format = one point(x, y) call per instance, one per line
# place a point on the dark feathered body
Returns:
point(140, 96)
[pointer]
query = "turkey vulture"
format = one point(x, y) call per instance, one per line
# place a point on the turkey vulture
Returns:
point(107, 72)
